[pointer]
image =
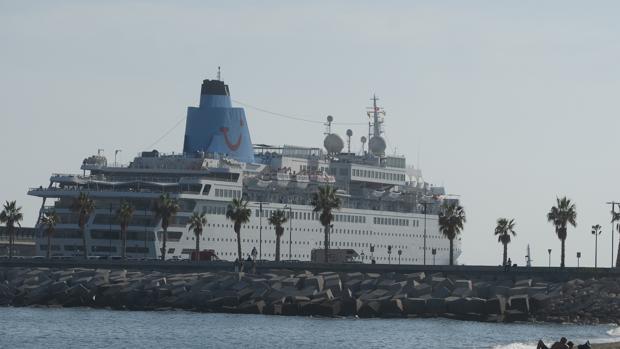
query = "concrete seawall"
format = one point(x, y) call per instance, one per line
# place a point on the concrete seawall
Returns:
point(553, 274)
point(459, 292)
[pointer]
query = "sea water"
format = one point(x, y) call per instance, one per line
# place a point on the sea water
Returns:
point(96, 328)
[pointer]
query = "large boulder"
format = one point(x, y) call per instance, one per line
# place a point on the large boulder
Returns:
point(456, 305)
point(315, 282)
point(370, 309)
point(496, 305)
point(415, 306)
point(520, 303)
point(392, 308)
point(440, 292)
point(435, 306)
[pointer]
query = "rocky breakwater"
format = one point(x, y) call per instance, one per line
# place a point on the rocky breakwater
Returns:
point(284, 292)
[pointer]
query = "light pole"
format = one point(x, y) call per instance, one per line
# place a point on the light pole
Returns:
point(389, 254)
point(425, 206)
point(613, 216)
point(549, 250)
point(434, 251)
point(578, 256)
point(596, 231)
point(116, 152)
point(399, 253)
point(290, 231)
point(372, 252)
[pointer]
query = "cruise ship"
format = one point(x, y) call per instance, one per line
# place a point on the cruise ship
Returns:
point(389, 213)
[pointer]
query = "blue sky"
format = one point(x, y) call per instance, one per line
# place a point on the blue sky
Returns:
point(508, 103)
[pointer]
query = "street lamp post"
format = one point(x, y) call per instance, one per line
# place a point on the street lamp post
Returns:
point(434, 251)
point(596, 231)
point(613, 215)
point(578, 256)
point(549, 250)
point(389, 254)
point(115, 153)
point(425, 204)
point(399, 253)
point(372, 252)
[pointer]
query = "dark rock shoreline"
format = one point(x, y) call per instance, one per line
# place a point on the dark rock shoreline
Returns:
point(285, 292)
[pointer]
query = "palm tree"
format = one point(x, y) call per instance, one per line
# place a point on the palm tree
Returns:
point(615, 217)
point(49, 221)
point(124, 215)
point(325, 201)
point(596, 231)
point(239, 213)
point(560, 216)
point(165, 208)
point(503, 230)
point(84, 206)
point(451, 220)
point(196, 223)
point(277, 219)
point(11, 215)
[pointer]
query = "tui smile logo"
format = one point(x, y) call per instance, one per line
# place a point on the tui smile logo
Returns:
point(232, 146)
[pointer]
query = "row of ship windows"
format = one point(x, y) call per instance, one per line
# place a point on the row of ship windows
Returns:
point(378, 175)
point(228, 193)
point(95, 248)
point(315, 216)
point(334, 231)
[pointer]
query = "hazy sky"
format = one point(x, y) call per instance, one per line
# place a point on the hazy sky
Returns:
point(509, 103)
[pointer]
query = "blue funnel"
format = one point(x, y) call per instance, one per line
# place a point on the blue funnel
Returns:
point(216, 127)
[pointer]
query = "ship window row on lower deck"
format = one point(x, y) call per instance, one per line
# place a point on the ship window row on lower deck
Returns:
point(228, 193)
point(95, 248)
point(312, 216)
point(378, 175)
point(267, 227)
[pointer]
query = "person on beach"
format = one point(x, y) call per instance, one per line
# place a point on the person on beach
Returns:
point(562, 344)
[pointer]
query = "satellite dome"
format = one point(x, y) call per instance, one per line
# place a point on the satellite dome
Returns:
point(377, 145)
point(349, 133)
point(363, 139)
point(333, 143)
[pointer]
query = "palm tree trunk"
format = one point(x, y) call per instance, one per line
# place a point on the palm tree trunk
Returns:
point(163, 247)
point(277, 248)
point(197, 248)
point(618, 256)
point(451, 252)
point(238, 232)
point(326, 231)
point(11, 241)
point(563, 254)
point(49, 245)
point(124, 247)
point(505, 253)
point(84, 243)
point(596, 251)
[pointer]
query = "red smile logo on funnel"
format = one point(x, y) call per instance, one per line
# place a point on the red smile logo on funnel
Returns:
point(231, 146)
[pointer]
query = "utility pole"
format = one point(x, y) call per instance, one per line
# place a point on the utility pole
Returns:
point(549, 250)
point(613, 213)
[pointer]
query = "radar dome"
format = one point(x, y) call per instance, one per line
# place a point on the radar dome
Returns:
point(349, 133)
point(377, 145)
point(333, 143)
point(363, 139)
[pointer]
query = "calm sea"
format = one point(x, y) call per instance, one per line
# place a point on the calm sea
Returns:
point(93, 328)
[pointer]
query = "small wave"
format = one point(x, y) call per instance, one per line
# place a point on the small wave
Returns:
point(516, 346)
point(614, 332)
